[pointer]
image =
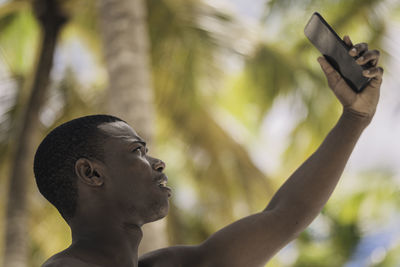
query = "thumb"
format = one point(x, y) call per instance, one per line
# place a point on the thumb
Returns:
point(337, 84)
point(331, 74)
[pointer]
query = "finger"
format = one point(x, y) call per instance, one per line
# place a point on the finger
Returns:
point(347, 40)
point(358, 49)
point(369, 56)
point(376, 76)
point(375, 82)
point(375, 72)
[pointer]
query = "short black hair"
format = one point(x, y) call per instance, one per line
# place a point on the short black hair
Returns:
point(55, 158)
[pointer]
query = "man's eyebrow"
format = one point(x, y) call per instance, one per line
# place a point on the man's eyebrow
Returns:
point(132, 140)
point(143, 143)
point(139, 142)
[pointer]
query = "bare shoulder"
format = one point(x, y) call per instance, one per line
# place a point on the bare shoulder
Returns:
point(176, 256)
point(61, 260)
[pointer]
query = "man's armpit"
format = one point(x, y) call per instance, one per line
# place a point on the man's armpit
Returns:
point(176, 256)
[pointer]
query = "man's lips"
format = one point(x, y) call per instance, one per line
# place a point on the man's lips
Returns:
point(162, 183)
point(162, 180)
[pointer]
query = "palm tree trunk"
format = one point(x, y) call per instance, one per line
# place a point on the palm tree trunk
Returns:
point(16, 234)
point(126, 46)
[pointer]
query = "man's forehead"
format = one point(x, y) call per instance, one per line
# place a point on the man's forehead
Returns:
point(119, 130)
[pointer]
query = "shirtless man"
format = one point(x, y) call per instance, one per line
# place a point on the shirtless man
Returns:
point(96, 171)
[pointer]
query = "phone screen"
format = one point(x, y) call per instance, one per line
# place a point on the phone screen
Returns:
point(335, 50)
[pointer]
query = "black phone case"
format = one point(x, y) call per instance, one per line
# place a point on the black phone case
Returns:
point(335, 50)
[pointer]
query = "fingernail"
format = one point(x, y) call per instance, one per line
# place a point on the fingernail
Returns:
point(360, 59)
point(366, 71)
point(353, 50)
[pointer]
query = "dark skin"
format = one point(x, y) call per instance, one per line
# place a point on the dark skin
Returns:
point(122, 193)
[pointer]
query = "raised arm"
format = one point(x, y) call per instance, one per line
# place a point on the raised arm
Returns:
point(253, 240)
point(310, 186)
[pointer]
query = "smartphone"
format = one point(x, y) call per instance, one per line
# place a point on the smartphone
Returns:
point(336, 52)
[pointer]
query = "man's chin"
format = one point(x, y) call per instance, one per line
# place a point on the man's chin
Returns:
point(160, 213)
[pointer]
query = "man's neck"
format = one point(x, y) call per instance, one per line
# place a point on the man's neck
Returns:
point(105, 242)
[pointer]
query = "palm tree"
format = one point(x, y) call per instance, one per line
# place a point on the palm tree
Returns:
point(51, 20)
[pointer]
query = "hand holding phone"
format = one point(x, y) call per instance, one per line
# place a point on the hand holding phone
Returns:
point(362, 100)
point(336, 51)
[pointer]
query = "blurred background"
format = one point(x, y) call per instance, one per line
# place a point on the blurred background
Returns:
point(228, 93)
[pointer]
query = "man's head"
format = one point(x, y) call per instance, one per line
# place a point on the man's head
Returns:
point(101, 157)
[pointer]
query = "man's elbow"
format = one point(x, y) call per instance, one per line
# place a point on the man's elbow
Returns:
point(295, 216)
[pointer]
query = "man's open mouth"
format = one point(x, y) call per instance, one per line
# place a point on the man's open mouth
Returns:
point(163, 184)
point(162, 180)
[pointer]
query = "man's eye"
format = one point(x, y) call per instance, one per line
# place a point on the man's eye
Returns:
point(140, 150)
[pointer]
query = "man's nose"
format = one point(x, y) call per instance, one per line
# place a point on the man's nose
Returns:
point(158, 165)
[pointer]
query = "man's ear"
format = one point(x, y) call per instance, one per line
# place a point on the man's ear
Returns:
point(88, 172)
